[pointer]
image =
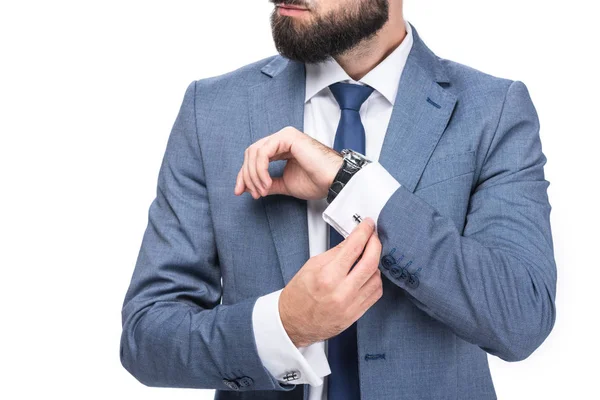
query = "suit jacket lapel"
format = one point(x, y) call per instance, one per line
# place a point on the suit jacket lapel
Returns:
point(421, 112)
point(275, 103)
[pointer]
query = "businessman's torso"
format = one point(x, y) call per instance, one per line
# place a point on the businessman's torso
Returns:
point(435, 145)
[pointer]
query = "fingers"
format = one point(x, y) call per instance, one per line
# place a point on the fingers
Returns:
point(365, 268)
point(255, 169)
point(248, 170)
point(259, 160)
point(275, 147)
point(351, 248)
point(369, 295)
point(373, 284)
point(239, 184)
point(248, 180)
point(261, 167)
point(258, 185)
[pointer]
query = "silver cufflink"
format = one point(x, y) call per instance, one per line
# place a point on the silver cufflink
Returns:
point(291, 376)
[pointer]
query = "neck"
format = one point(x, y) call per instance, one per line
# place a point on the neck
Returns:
point(358, 61)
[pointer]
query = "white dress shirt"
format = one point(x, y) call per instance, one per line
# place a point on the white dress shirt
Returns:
point(321, 117)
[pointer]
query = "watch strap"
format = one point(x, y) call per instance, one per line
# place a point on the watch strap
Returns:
point(347, 170)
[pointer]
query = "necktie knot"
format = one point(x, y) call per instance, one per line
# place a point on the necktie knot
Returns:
point(350, 96)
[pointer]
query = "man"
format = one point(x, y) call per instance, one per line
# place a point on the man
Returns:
point(396, 232)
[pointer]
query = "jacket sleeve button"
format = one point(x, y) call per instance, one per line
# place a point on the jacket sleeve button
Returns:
point(403, 274)
point(395, 272)
point(388, 260)
point(245, 381)
point(231, 384)
point(413, 281)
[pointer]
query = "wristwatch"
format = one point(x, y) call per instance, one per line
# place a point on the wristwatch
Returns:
point(353, 162)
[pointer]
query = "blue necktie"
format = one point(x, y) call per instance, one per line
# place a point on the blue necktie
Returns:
point(342, 351)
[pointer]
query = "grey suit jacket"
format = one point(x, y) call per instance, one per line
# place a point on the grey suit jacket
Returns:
point(467, 260)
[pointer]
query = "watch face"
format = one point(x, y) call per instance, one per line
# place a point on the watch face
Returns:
point(356, 158)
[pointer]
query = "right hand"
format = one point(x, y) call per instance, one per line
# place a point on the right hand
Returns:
point(324, 298)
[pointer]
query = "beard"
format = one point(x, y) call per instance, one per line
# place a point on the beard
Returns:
point(327, 35)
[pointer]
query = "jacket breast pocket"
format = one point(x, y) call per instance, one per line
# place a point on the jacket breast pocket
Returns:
point(440, 169)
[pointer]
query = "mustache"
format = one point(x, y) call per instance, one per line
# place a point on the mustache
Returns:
point(298, 3)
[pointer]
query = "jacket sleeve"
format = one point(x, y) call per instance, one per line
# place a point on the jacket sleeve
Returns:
point(494, 283)
point(175, 331)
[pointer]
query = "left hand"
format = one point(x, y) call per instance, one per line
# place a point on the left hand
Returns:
point(308, 174)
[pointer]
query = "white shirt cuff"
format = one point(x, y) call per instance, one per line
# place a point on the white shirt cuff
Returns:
point(278, 353)
point(365, 194)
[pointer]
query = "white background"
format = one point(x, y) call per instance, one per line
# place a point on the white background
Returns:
point(88, 94)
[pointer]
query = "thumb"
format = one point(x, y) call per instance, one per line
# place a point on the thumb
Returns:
point(278, 187)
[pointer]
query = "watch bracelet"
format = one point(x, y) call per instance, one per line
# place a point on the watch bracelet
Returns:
point(339, 179)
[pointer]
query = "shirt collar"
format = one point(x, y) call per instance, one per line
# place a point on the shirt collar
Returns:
point(384, 78)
